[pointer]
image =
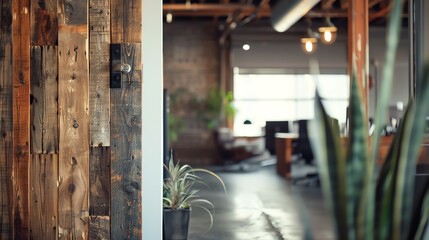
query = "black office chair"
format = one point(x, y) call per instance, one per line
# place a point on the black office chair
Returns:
point(301, 149)
point(302, 146)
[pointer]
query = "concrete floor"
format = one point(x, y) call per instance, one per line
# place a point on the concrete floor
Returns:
point(259, 204)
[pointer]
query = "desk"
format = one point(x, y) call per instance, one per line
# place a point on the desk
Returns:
point(284, 153)
point(284, 143)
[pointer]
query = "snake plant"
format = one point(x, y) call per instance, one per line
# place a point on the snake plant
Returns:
point(368, 204)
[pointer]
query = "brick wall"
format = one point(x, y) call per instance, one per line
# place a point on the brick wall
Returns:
point(191, 69)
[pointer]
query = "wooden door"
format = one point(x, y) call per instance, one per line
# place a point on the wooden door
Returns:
point(70, 146)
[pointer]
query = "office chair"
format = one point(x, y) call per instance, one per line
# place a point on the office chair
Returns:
point(302, 151)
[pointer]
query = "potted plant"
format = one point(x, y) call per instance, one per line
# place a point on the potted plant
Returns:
point(180, 196)
point(219, 108)
point(366, 204)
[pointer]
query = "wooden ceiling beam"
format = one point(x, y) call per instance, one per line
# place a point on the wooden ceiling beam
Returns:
point(382, 13)
point(218, 10)
point(327, 4)
point(372, 3)
point(344, 4)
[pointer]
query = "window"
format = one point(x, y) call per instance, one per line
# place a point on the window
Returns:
point(276, 97)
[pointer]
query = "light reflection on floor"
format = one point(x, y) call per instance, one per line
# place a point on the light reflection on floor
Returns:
point(259, 205)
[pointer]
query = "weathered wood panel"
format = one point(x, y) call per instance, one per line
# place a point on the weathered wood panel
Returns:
point(71, 12)
point(44, 104)
point(99, 68)
point(21, 114)
point(74, 129)
point(126, 149)
point(43, 196)
point(99, 181)
point(126, 21)
point(6, 127)
point(99, 228)
point(44, 22)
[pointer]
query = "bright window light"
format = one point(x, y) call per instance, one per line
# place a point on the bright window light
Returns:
point(278, 97)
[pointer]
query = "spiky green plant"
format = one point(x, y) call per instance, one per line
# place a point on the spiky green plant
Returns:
point(366, 205)
point(180, 191)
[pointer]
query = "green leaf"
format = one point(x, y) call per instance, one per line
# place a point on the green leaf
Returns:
point(326, 143)
point(357, 167)
point(423, 228)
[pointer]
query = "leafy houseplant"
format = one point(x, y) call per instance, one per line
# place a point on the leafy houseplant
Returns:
point(364, 204)
point(180, 194)
point(219, 106)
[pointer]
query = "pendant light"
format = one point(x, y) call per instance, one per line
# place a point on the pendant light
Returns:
point(328, 32)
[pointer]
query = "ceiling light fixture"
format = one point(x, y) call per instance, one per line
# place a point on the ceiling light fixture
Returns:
point(328, 32)
point(246, 47)
point(309, 43)
point(169, 17)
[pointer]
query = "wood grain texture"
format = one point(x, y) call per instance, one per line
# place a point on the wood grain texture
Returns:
point(74, 130)
point(126, 149)
point(99, 181)
point(72, 12)
point(43, 196)
point(99, 68)
point(99, 228)
point(44, 104)
point(21, 115)
point(44, 22)
point(6, 123)
point(126, 21)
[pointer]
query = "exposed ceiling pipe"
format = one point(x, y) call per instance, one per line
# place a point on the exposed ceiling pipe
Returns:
point(286, 13)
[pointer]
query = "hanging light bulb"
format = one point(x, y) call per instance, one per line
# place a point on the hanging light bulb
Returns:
point(169, 17)
point(309, 44)
point(328, 32)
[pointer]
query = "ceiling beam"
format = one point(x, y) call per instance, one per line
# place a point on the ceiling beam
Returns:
point(218, 10)
point(382, 13)
point(372, 3)
point(344, 4)
point(327, 4)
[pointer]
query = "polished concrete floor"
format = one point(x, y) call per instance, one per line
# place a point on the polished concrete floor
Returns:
point(259, 204)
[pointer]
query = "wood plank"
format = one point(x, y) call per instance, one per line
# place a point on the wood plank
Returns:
point(99, 181)
point(44, 104)
point(37, 101)
point(99, 88)
point(44, 196)
point(6, 126)
point(126, 149)
point(126, 21)
point(99, 228)
point(44, 23)
point(21, 115)
point(72, 12)
point(74, 130)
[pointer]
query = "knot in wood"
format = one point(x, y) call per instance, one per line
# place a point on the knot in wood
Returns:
point(71, 187)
